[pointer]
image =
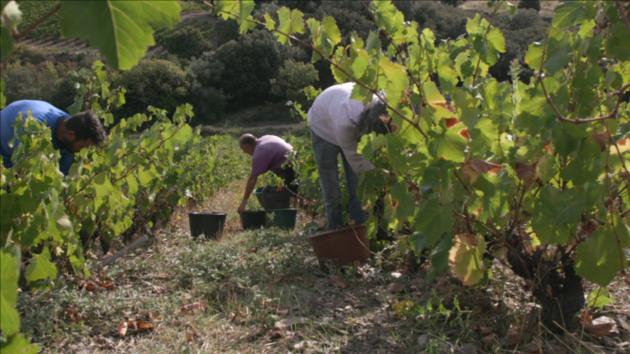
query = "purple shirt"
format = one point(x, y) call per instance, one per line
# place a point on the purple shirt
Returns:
point(269, 154)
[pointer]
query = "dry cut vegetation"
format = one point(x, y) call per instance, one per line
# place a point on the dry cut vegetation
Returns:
point(263, 292)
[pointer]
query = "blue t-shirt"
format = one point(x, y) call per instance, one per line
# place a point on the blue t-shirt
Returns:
point(43, 112)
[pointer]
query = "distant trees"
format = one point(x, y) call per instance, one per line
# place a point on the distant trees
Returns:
point(292, 77)
point(529, 4)
point(153, 82)
point(187, 42)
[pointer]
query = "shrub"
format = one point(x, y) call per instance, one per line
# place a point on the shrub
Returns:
point(442, 19)
point(529, 4)
point(225, 31)
point(249, 65)
point(292, 77)
point(157, 83)
point(206, 96)
point(30, 82)
point(187, 42)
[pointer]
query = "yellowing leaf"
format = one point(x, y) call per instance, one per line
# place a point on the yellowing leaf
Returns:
point(466, 254)
point(623, 144)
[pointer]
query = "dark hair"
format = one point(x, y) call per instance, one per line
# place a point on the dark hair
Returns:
point(374, 118)
point(247, 139)
point(86, 125)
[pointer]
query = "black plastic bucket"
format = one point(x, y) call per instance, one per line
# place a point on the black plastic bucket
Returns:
point(253, 219)
point(209, 224)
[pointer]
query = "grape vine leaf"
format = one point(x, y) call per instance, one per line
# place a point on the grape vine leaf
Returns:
point(433, 220)
point(41, 267)
point(439, 257)
point(18, 344)
point(3, 100)
point(290, 23)
point(325, 37)
point(124, 31)
point(533, 58)
point(573, 12)
point(387, 15)
point(9, 274)
point(448, 76)
point(270, 24)
point(512, 9)
point(618, 44)
point(555, 214)
point(601, 257)
point(599, 298)
point(450, 143)
point(466, 256)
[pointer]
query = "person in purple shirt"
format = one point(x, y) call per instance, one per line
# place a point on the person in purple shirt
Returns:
point(268, 154)
point(69, 134)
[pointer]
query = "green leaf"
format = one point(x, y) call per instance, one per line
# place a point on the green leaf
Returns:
point(450, 144)
point(573, 12)
point(387, 15)
point(406, 207)
point(533, 58)
point(102, 186)
point(618, 43)
point(3, 100)
point(564, 143)
point(496, 194)
point(324, 37)
point(41, 268)
point(395, 78)
point(448, 76)
point(18, 344)
point(601, 257)
point(290, 23)
point(599, 297)
point(9, 275)
point(439, 257)
point(588, 165)
point(245, 9)
point(466, 106)
point(433, 220)
point(270, 24)
point(467, 257)
point(125, 28)
point(512, 9)
point(555, 214)
point(559, 44)
point(418, 242)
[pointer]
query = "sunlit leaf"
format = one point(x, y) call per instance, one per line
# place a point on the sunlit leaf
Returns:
point(125, 28)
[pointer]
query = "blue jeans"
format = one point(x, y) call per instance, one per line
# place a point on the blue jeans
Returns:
point(326, 156)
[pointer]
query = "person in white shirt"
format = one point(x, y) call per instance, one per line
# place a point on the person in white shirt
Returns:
point(337, 124)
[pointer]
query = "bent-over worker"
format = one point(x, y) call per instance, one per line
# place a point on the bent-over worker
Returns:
point(268, 153)
point(70, 134)
point(337, 124)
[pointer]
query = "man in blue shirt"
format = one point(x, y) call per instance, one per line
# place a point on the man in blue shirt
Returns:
point(69, 134)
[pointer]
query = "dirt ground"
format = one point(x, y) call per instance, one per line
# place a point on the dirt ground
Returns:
point(262, 292)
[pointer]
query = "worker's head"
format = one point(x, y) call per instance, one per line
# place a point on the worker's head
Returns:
point(82, 130)
point(375, 118)
point(247, 142)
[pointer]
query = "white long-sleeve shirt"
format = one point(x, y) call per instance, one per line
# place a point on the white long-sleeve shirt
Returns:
point(334, 117)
